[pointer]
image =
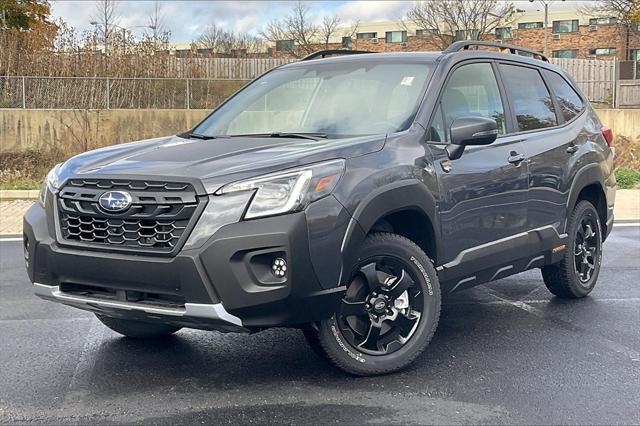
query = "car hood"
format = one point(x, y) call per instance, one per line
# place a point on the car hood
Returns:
point(213, 162)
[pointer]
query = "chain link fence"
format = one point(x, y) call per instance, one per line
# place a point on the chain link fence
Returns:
point(602, 82)
point(114, 93)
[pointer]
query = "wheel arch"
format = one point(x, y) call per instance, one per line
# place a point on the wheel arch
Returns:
point(588, 185)
point(406, 208)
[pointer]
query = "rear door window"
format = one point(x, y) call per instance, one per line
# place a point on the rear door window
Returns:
point(529, 97)
point(570, 102)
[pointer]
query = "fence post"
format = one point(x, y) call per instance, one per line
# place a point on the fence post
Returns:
point(188, 95)
point(108, 93)
point(616, 83)
point(24, 93)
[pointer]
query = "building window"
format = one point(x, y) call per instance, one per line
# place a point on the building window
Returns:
point(395, 37)
point(603, 51)
point(347, 43)
point(530, 25)
point(635, 54)
point(566, 53)
point(504, 33)
point(366, 36)
point(284, 45)
point(466, 35)
point(427, 32)
point(566, 26)
point(603, 21)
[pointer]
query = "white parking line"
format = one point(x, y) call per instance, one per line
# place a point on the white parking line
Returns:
point(8, 240)
point(625, 224)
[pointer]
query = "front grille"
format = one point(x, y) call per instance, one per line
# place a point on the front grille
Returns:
point(158, 219)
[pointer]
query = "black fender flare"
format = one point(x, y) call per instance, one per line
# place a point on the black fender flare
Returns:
point(588, 175)
point(397, 196)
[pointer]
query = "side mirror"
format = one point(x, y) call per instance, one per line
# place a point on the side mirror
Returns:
point(470, 131)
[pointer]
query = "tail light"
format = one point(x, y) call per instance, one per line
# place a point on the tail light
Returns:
point(608, 135)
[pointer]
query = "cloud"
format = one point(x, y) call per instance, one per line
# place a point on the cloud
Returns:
point(370, 11)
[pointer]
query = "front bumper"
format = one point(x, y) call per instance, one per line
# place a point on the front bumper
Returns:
point(226, 284)
point(195, 315)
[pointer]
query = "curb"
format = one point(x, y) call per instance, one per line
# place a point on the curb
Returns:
point(18, 194)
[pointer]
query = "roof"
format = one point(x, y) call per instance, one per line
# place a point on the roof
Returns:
point(382, 56)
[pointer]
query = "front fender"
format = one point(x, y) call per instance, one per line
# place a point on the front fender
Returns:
point(410, 194)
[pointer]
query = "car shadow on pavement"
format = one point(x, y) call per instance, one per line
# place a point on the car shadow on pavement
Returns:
point(212, 361)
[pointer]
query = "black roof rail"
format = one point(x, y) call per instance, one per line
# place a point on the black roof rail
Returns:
point(329, 52)
point(514, 50)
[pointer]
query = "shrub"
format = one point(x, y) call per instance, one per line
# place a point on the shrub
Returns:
point(25, 170)
point(627, 177)
point(627, 152)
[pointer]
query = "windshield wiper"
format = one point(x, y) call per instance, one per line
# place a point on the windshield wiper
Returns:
point(305, 135)
point(311, 135)
point(198, 136)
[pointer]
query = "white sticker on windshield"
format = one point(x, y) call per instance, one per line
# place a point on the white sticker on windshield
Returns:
point(407, 81)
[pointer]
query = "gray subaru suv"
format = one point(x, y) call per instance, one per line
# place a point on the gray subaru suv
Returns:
point(343, 196)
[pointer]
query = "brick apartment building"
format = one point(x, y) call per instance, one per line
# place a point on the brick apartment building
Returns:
point(569, 35)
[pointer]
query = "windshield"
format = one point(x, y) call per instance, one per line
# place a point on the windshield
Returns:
point(336, 99)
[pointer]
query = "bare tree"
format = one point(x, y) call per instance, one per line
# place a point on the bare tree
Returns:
point(353, 29)
point(469, 19)
point(297, 26)
point(329, 28)
point(159, 33)
point(105, 19)
point(213, 38)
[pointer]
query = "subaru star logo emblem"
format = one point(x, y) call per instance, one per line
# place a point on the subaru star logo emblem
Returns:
point(115, 201)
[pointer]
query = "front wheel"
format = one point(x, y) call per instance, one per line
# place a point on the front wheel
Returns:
point(576, 274)
point(389, 312)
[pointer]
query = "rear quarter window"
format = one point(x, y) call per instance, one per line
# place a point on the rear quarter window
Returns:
point(570, 102)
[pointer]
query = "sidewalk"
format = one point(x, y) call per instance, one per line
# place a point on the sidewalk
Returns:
point(627, 209)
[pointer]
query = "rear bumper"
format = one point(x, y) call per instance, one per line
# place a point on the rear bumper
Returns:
point(226, 284)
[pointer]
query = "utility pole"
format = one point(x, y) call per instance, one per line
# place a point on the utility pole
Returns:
point(546, 4)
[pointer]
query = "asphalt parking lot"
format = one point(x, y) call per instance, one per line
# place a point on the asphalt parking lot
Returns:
point(507, 352)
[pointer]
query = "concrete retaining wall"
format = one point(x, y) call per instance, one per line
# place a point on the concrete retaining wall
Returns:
point(80, 130)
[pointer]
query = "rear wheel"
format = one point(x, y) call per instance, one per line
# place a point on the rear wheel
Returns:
point(389, 312)
point(576, 274)
point(137, 329)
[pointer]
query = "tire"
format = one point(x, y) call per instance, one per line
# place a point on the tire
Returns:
point(137, 329)
point(568, 279)
point(401, 310)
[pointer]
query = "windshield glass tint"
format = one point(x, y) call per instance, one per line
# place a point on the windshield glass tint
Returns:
point(347, 98)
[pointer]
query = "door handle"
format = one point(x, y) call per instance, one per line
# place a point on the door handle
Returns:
point(515, 158)
point(572, 148)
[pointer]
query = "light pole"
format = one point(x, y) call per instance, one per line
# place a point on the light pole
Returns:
point(124, 33)
point(546, 20)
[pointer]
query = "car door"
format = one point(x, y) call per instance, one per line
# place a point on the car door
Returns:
point(540, 108)
point(482, 197)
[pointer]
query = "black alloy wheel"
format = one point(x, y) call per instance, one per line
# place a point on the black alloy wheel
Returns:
point(381, 309)
point(388, 313)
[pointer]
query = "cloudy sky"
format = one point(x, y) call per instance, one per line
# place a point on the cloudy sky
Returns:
point(188, 18)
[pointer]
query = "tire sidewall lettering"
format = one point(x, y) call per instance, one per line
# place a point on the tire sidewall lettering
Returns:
point(424, 274)
point(356, 356)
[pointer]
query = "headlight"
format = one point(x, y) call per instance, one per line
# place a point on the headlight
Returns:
point(288, 191)
point(51, 181)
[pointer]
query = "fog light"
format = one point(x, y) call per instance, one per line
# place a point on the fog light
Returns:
point(279, 267)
